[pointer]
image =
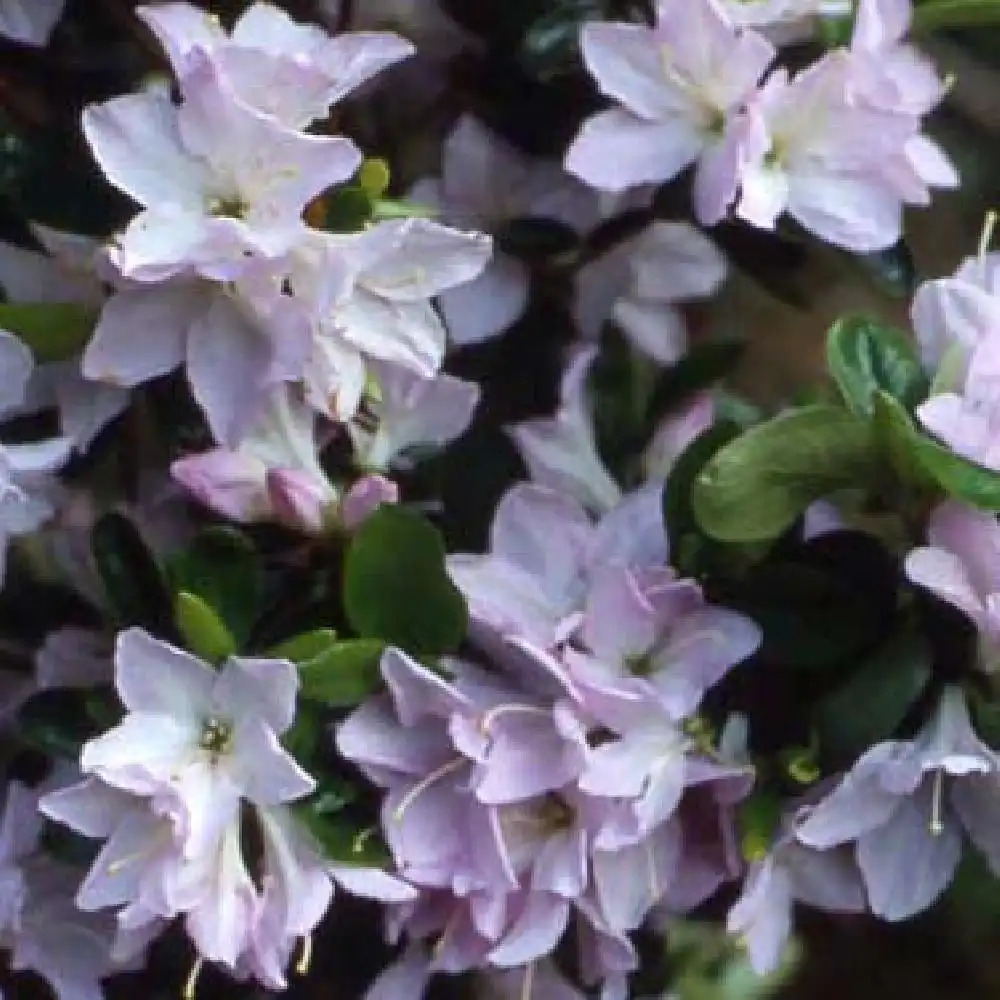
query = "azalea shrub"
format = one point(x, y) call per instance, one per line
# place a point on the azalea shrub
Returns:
point(399, 598)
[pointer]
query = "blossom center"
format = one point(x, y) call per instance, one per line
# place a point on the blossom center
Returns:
point(228, 207)
point(216, 736)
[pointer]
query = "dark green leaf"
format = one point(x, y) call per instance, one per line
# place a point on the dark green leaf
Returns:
point(944, 14)
point(920, 458)
point(342, 841)
point(346, 210)
point(538, 241)
point(53, 330)
point(133, 583)
point(55, 723)
point(620, 381)
point(552, 44)
point(699, 369)
point(811, 619)
point(203, 631)
point(222, 568)
point(755, 487)
point(865, 356)
point(396, 587)
point(344, 674)
point(678, 515)
point(872, 704)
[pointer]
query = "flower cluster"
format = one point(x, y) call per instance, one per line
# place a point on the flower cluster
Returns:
point(837, 145)
point(561, 780)
point(379, 520)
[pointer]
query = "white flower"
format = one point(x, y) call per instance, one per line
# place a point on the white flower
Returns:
point(206, 738)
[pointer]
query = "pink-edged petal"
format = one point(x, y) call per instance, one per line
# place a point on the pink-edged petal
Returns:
point(141, 334)
point(156, 678)
point(136, 141)
point(615, 150)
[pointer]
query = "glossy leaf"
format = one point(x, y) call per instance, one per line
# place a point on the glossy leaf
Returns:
point(872, 704)
point(396, 587)
point(222, 568)
point(342, 841)
point(923, 459)
point(864, 356)
point(343, 674)
point(300, 648)
point(133, 582)
point(203, 631)
point(53, 330)
point(755, 487)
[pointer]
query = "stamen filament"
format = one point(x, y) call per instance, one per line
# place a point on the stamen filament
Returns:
point(305, 959)
point(487, 720)
point(418, 789)
point(528, 984)
point(936, 826)
point(191, 984)
point(986, 236)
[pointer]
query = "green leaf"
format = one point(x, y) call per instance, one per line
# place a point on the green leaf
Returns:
point(222, 568)
point(396, 587)
point(552, 43)
point(538, 240)
point(344, 674)
point(678, 515)
point(347, 210)
point(865, 356)
point(822, 608)
point(55, 723)
point(921, 459)
point(203, 631)
point(341, 840)
point(133, 582)
point(53, 330)
point(697, 370)
point(304, 647)
point(872, 704)
point(755, 487)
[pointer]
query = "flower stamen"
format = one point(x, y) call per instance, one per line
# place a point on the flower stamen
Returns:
point(936, 825)
point(418, 789)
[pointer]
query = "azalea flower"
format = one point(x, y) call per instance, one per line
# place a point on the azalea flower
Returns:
point(220, 184)
point(237, 343)
point(675, 98)
point(274, 474)
point(369, 297)
point(561, 451)
point(952, 316)
point(543, 551)
point(209, 738)
point(484, 184)
point(961, 565)
point(39, 923)
point(73, 269)
point(28, 491)
point(639, 283)
point(832, 164)
point(412, 413)
point(293, 72)
point(905, 804)
point(653, 635)
point(790, 873)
